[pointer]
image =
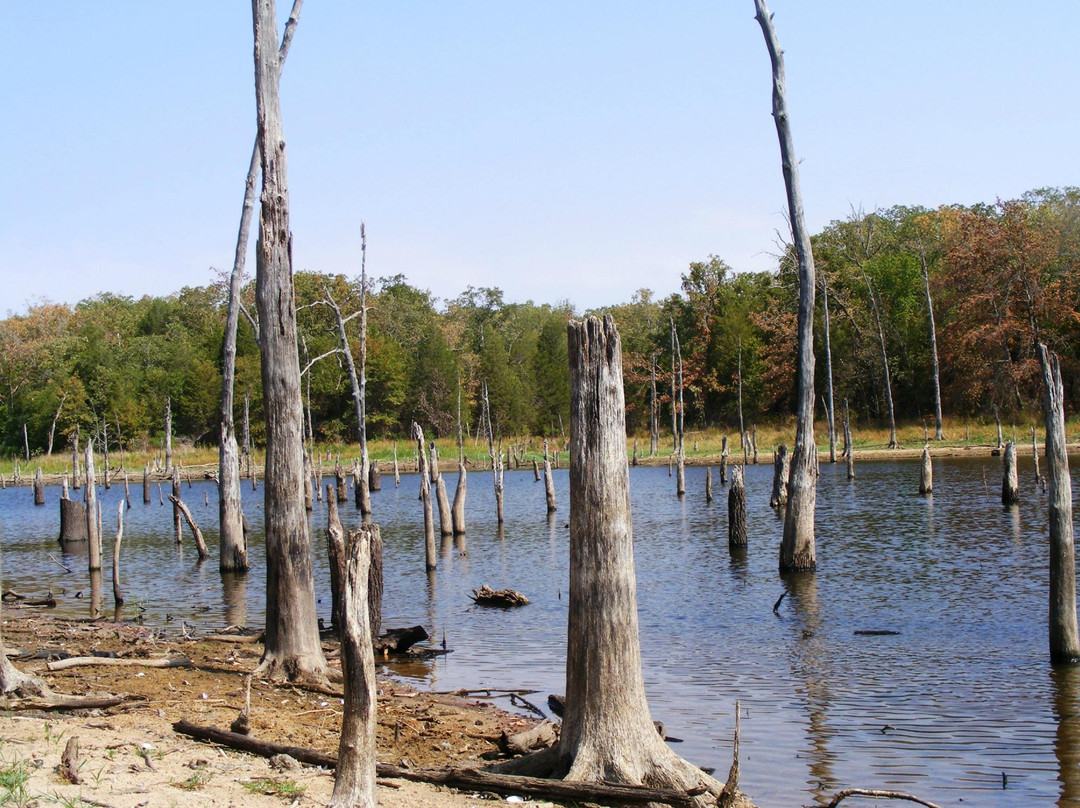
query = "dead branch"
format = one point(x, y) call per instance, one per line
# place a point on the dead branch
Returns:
point(79, 662)
point(877, 794)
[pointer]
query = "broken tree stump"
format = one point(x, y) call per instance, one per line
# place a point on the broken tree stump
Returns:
point(486, 596)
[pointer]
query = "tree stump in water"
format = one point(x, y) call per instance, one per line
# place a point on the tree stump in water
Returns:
point(781, 470)
point(39, 487)
point(736, 510)
point(72, 521)
point(1010, 493)
point(374, 476)
point(708, 485)
point(926, 473)
point(486, 596)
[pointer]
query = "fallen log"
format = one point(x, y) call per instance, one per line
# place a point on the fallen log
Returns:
point(608, 793)
point(543, 735)
point(399, 640)
point(79, 662)
point(23, 600)
point(486, 596)
point(58, 701)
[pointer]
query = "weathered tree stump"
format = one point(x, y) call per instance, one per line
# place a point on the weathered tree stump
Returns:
point(374, 476)
point(926, 473)
point(781, 471)
point(175, 499)
point(723, 460)
point(708, 485)
point(458, 510)
point(549, 483)
point(73, 524)
point(536, 470)
point(446, 519)
point(736, 510)
point(39, 487)
point(1010, 492)
point(118, 597)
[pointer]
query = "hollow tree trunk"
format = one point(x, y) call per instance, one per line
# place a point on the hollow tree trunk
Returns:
point(797, 550)
point(1064, 637)
point(607, 733)
point(292, 647)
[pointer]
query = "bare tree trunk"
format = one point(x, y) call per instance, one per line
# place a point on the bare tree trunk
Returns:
point(549, 483)
point(365, 458)
point(1010, 493)
point(737, 510)
point(335, 555)
point(168, 434)
point(105, 451)
point(292, 647)
point(375, 578)
point(997, 421)
point(1064, 637)
point(496, 469)
point(781, 475)
point(442, 499)
point(200, 544)
point(118, 596)
point(354, 780)
point(425, 497)
point(938, 433)
point(884, 359)
point(723, 460)
point(93, 528)
point(828, 368)
point(654, 410)
point(738, 378)
point(458, 511)
point(849, 444)
point(797, 550)
point(607, 733)
point(397, 472)
point(1039, 479)
point(39, 487)
point(76, 478)
point(708, 485)
point(175, 498)
point(926, 473)
point(52, 429)
point(680, 441)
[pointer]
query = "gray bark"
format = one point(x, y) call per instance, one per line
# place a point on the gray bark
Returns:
point(76, 477)
point(1039, 480)
point(496, 468)
point(654, 410)
point(1064, 636)
point(607, 733)
point(118, 596)
point(442, 499)
point(425, 497)
point(549, 483)
point(797, 550)
point(849, 445)
point(926, 473)
point(175, 498)
point(73, 523)
point(938, 433)
point(168, 434)
point(458, 511)
point(781, 475)
point(742, 425)
point(723, 460)
point(1010, 492)
point(354, 780)
point(828, 369)
point(146, 484)
point(39, 487)
point(93, 527)
point(737, 510)
point(292, 647)
point(196, 533)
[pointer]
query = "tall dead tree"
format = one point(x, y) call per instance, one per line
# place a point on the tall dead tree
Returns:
point(680, 437)
point(828, 368)
point(458, 510)
point(93, 523)
point(938, 433)
point(549, 483)
point(76, 478)
point(797, 551)
point(607, 733)
point(1010, 490)
point(365, 458)
point(1064, 636)
point(292, 646)
point(496, 459)
point(654, 410)
point(738, 379)
point(425, 497)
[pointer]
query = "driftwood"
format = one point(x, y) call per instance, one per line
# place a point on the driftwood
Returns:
point(69, 762)
point(10, 596)
point(459, 778)
point(542, 736)
point(59, 701)
point(80, 662)
point(486, 596)
point(399, 640)
point(877, 794)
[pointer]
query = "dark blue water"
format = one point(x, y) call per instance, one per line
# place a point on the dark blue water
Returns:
point(963, 693)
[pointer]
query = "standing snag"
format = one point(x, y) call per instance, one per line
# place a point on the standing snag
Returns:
point(737, 510)
point(1010, 491)
point(781, 471)
point(607, 734)
point(926, 473)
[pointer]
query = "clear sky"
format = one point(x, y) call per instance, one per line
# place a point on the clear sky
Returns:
point(559, 150)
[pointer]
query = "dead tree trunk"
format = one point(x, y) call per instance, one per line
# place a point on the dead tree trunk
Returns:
point(335, 555)
point(146, 484)
point(1039, 479)
point(425, 497)
point(375, 578)
point(73, 524)
point(926, 473)
point(997, 422)
point(708, 485)
point(607, 733)
point(1064, 637)
point(200, 544)
point(736, 510)
point(168, 434)
point(1010, 492)
point(797, 550)
point(354, 780)
point(828, 368)
point(738, 379)
point(118, 596)
point(76, 478)
point(938, 433)
point(549, 483)
point(442, 499)
point(654, 410)
point(178, 525)
point(458, 511)
point(781, 474)
point(93, 527)
point(680, 440)
point(849, 445)
point(39, 487)
point(292, 647)
point(723, 460)
point(374, 476)
point(496, 468)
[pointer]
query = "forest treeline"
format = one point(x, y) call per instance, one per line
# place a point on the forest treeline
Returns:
point(1000, 277)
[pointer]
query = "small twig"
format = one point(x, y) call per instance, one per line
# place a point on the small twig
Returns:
point(60, 564)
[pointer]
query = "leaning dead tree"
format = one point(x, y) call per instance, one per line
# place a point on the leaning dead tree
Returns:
point(232, 541)
point(607, 733)
point(1064, 636)
point(292, 647)
point(425, 498)
point(797, 550)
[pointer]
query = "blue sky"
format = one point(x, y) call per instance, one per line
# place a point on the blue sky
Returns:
point(560, 151)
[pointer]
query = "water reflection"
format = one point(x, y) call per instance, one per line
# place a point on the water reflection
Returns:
point(1066, 687)
point(811, 665)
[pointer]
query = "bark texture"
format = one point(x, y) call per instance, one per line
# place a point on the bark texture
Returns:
point(781, 473)
point(354, 781)
point(797, 551)
point(1064, 636)
point(607, 733)
point(1010, 487)
point(737, 510)
point(292, 647)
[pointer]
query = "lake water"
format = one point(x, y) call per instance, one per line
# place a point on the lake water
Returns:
point(961, 695)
